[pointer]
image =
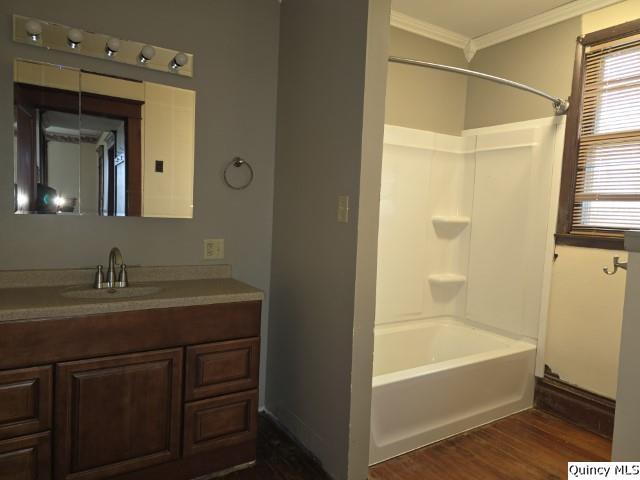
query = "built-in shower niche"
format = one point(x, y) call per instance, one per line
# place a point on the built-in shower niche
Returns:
point(450, 226)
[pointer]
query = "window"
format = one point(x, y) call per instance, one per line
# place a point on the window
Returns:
point(600, 192)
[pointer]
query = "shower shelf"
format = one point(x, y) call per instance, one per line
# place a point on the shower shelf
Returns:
point(450, 220)
point(447, 279)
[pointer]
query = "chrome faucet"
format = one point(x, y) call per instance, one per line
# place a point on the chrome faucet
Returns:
point(115, 258)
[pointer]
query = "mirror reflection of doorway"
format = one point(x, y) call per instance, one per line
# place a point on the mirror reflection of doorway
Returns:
point(112, 173)
point(77, 155)
point(112, 176)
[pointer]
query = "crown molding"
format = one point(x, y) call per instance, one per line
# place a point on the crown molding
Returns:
point(471, 45)
point(425, 29)
point(470, 50)
point(546, 19)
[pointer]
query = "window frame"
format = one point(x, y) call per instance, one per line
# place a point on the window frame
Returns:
point(607, 239)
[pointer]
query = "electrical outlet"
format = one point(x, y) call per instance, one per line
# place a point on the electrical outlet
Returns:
point(214, 249)
point(343, 208)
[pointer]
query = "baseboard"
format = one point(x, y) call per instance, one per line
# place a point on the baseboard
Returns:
point(585, 409)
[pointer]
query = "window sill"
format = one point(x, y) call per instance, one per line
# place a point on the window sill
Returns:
point(607, 242)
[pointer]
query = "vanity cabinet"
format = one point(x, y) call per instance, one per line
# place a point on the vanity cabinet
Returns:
point(136, 395)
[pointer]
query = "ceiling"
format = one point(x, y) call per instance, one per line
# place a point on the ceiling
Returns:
point(474, 18)
point(69, 123)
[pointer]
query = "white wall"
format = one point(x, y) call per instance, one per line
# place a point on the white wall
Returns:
point(425, 176)
point(169, 125)
point(622, 12)
point(502, 179)
point(88, 178)
point(73, 172)
point(64, 168)
point(513, 222)
point(585, 319)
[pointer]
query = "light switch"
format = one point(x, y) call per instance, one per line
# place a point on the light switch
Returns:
point(214, 249)
point(343, 208)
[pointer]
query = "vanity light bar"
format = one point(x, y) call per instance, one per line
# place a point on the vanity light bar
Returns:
point(53, 36)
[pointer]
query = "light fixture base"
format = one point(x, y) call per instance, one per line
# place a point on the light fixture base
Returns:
point(54, 36)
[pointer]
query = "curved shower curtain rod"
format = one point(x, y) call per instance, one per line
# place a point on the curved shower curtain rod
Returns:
point(560, 106)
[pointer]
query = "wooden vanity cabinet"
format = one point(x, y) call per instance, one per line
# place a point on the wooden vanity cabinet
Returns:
point(168, 393)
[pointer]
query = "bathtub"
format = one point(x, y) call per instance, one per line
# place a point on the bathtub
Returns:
point(436, 378)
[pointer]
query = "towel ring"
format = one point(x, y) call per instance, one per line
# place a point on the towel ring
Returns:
point(238, 162)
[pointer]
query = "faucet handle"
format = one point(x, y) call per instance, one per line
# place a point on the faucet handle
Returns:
point(99, 278)
point(123, 280)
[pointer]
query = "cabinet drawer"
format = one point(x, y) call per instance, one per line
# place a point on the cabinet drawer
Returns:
point(223, 367)
point(220, 422)
point(25, 401)
point(26, 458)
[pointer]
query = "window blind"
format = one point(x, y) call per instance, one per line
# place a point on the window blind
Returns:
point(607, 193)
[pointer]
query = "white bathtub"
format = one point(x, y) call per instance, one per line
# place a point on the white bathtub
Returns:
point(436, 378)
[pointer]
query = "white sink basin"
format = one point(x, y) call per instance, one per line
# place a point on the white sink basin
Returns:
point(110, 293)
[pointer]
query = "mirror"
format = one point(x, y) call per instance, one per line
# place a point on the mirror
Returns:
point(92, 144)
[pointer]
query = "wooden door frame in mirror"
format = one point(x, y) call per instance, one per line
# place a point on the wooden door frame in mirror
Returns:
point(102, 105)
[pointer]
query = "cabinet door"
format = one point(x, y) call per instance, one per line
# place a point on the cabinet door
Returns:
point(117, 414)
point(25, 401)
point(26, 458)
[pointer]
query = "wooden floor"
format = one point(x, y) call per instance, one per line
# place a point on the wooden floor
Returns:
point(529, 446)
point(279, 458)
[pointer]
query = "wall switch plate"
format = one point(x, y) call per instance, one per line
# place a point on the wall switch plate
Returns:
point(214, 248)
point(343, 208)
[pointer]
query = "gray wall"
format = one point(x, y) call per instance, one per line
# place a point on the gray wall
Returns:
point(447, 103)
point(422, 98)
point(235, 43)
point(542, 59)
point(367, 247)
point(320, 151)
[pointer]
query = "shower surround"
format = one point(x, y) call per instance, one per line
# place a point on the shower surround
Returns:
point(465, 252)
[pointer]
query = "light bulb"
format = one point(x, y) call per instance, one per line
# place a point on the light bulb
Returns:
point(23, 200)
point(147, 53)
point(112, 47)
point(179, 61)
point(34, 29)
point(74, 38)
